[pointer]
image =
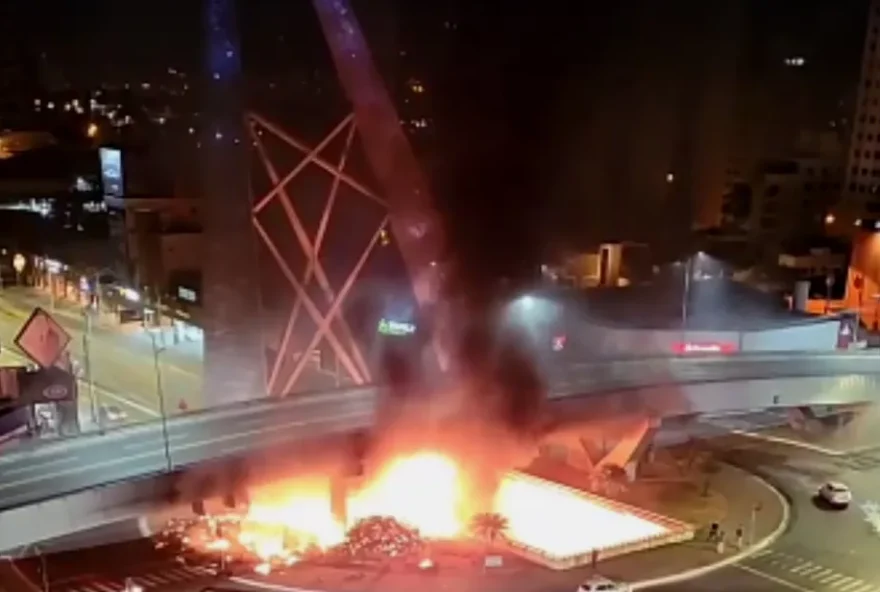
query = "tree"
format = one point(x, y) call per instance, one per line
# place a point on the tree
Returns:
point(488, 526)
point(382, 537)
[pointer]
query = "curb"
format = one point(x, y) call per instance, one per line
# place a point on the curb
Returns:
point(736, 558)
point(267, 586)
point(832, 452)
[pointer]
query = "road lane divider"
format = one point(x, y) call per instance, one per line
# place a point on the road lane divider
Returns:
point(39, 465)
point(338, 423)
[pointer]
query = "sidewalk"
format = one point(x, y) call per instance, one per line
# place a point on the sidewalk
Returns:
point(740, 491)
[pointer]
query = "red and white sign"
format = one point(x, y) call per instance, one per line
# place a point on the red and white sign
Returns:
point(558, 343)
point(704, 347)
point(845, 334)
point(42, 339)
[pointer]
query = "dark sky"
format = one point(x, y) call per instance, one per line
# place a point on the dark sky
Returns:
point(557, 118)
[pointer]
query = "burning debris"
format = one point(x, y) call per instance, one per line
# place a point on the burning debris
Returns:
point(410, 502)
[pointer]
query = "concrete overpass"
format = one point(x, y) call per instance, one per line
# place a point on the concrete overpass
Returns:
point(654, 388)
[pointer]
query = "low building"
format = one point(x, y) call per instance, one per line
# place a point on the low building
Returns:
point(158, 244)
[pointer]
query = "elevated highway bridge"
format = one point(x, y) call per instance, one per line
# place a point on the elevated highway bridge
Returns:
point(653, 388)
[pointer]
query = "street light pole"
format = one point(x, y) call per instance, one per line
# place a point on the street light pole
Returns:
point(87, 358)
point(688, 264)
point(161, 394)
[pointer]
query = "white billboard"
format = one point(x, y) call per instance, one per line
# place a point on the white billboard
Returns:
point(111, 172)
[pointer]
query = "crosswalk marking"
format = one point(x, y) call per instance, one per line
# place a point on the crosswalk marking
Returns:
point(155, 579)
point(809, 572)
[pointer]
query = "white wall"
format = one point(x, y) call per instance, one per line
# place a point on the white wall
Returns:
point(819, 336)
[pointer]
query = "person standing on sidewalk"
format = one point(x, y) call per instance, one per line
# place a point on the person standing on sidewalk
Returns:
point(739, 537)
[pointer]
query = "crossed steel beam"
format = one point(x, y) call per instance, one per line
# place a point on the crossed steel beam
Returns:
point(349, 355)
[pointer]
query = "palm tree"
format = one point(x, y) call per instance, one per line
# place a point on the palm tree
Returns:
point(488, 526)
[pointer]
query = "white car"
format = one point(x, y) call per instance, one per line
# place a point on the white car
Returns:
point(835, 494)
point(600, 584)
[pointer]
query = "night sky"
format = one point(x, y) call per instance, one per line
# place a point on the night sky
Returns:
point(556, 122)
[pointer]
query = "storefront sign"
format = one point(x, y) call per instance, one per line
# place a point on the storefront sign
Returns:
point(395, 328)
point(704, 347)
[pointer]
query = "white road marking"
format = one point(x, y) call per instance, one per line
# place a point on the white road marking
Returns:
point(803, 566)
point(337, 420)
point(37, 466)
point(831, 578)
point(821, 574)
point(768, 577)
point(854, 584)
point(159, 439)
point(842, 581)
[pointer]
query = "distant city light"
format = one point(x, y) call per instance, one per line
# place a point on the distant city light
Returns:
point(858, 222)
point(795, 61)
point(670, 177)
point(92, 130)
point(829, 219)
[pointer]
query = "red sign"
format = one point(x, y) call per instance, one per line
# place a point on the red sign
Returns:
point(559, 343)
point(704, 347)
point(42, 339)
point(845, 334)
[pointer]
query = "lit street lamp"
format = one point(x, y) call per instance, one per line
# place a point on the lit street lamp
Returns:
point(18, 263)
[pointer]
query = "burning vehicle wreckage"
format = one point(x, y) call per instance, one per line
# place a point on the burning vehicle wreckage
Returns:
point(426, 484)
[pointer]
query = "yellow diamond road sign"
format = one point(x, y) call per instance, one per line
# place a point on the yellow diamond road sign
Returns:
point(42, 339)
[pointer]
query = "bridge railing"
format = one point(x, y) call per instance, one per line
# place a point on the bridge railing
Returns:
point(561, 380)
point(54, 467)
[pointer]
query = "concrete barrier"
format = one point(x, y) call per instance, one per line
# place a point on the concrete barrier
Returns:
point(81, 511)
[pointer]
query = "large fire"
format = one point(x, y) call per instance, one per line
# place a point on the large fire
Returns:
point(427, 491)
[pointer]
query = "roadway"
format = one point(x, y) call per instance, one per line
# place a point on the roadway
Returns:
point(40, 470)
point(121, 358)
point(823, 550)
point(63, 466)
point(106, 568)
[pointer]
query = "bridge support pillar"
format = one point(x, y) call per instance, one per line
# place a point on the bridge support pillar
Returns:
point(632, 446)
point(803, 419)
point(339, 488)
point(600, 445)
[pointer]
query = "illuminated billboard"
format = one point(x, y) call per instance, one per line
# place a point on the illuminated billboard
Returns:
point(111, 172)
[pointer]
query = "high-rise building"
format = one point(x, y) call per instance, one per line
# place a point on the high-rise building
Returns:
point(861, 190)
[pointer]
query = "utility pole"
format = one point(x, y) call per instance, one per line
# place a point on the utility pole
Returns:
point(97, 416)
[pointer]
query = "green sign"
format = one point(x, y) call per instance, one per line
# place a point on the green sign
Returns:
point(395, 328)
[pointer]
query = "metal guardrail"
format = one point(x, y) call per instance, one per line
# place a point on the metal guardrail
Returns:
point(580, 378)
point(591, 377)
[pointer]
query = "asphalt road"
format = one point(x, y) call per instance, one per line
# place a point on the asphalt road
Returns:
point(122, 363)
point(824, 550)
point(105, 569)
point(42, 471)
